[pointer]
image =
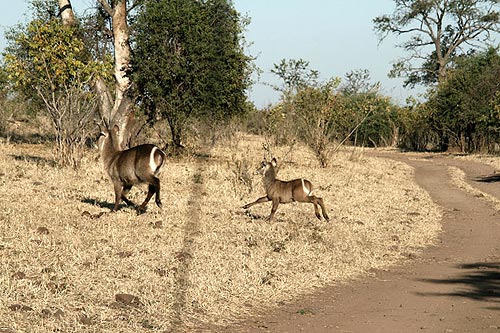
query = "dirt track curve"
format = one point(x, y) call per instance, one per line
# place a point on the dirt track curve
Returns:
point(452, 287)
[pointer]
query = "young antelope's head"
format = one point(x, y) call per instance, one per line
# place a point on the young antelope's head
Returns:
point(266, 166)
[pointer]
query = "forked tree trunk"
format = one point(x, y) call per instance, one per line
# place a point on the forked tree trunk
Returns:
point(66, 12)
point(113, 112)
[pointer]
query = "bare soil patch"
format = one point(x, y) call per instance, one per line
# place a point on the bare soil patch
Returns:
point(202, 263)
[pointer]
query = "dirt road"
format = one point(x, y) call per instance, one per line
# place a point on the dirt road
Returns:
point(452, 287)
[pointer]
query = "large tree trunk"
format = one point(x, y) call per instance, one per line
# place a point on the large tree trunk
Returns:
point(66, 11)
point(113, 112)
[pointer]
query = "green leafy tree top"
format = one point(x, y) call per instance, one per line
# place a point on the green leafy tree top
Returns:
point(47, 56)
point(188, 59)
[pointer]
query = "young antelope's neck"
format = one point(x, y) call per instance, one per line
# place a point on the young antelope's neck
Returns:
point(269, 177)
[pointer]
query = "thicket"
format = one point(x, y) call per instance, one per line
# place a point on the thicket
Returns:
point(461, 113)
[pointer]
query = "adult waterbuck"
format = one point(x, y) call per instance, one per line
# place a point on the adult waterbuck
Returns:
point(279, 191)
point(140, 164)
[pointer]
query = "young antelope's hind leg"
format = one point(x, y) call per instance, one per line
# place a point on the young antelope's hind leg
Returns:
point(323, 209)
point(318, 201)
point(157, 196)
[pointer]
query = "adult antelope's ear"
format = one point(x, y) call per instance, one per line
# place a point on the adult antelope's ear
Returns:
point(274, 162)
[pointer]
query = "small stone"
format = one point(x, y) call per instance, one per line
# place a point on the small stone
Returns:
point(19, 275)
point(84, 319)
point(42, 231)
point(128, 299)
point(20, 307)
point(124, 254)
point(157, 225)
point(47, 270)
point(58, 314)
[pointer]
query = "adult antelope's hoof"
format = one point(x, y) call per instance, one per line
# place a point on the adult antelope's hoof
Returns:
point(159, 204)
point(141, 210)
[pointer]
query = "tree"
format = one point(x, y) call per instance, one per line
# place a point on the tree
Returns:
point(189, 62)
point(48, 60)
point(113, 107)
point(313, 112)
point(358, 82)
point(437, 31)
point(464, 105)
point(295, 74)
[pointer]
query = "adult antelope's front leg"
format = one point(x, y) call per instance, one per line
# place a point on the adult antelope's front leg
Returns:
point(258, 201)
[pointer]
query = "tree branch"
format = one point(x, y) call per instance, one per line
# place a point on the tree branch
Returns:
point(107, 7)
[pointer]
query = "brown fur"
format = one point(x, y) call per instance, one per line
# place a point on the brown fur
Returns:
point(130, 167)
point(279, 191)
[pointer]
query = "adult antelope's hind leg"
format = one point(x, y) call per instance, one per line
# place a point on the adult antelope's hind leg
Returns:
point(153, 188)
point(125, 191)
point(258, 201)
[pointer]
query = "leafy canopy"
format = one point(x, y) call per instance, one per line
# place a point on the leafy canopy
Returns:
point(46, 56)
point(189, 61)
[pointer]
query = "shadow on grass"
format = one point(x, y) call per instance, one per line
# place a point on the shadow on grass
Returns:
point(35, 159)
point(185, 255)
point(96, 202)
point(489, 179)
point(102, 203)
point(479, 281)
point(32, 138)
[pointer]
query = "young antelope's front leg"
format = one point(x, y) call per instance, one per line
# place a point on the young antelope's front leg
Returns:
point(258, 201)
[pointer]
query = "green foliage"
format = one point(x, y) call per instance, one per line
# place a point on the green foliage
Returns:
point(46, 57)
point(466, 105)
point(320, 113)
point(295, 74)
point(189, 62)
point(50, 61)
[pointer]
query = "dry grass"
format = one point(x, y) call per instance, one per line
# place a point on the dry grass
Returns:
point(458, 179)
point(202, 261)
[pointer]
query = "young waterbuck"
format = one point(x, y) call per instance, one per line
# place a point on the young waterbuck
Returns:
point(279, 191)
point(140, 164)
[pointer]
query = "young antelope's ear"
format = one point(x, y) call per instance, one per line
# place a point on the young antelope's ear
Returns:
point(274, 162)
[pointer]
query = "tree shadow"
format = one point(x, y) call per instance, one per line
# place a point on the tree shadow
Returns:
point(31, 138)
point(35, 159)
point(489, 179)
point(480, 282)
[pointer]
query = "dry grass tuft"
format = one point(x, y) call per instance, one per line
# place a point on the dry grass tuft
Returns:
point(67, 264)
point(458, 179)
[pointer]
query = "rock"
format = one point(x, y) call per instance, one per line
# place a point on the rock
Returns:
point(128, 299)
point(42, 231)
point(20, 307)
